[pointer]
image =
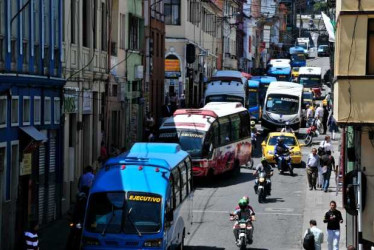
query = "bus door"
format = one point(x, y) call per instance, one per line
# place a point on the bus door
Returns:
point(254, 101)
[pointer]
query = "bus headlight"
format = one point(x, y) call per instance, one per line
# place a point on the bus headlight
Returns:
point(153, 243)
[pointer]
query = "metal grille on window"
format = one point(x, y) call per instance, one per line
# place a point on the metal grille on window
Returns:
point(52, 153)
point(42, 159)
point(51, 214)
point(41, 204)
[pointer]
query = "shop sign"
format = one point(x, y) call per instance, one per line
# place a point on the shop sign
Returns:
point(87, 102)
point(25, 166)
point(70, 100)
point(172, 65)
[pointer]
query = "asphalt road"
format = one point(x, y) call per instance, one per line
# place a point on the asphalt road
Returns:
point(278, 222)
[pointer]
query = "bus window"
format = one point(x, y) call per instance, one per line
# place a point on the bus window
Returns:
point(176, 187)
point(235, 127)
point(172, 194)
point(224, 127)
point(244, 125)
point(184, 188)
point(189, 175)
point(215, 135)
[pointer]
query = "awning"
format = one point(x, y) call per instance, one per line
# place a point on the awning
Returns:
point(34, 133)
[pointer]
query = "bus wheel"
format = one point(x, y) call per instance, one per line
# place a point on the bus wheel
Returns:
point(236, 169)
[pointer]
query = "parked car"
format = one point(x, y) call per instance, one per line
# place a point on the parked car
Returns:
point(323, 50)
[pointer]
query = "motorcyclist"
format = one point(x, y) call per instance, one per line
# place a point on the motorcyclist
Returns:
point(264, 166)
point(246, 198)
point(254, 134)
point(287, 128)
point(242, 213)
point(279, 149)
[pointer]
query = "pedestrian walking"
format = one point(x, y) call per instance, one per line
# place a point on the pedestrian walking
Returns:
point(327, 162)
point(319, 112)
point(324, 117)
point(312, 168)
point(309, 115)
point(86, 180)
point(333, 218)
point(182, 102)
point(173, 102)
point(333, 127)
point(318, 236)
point(326, 145)
point(103, 152)
point(31, 241)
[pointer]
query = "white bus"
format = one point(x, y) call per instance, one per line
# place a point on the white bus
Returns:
point(280, 62)
point(311, 77)
point(282, 104)
point(217, 136)
point(226, 86)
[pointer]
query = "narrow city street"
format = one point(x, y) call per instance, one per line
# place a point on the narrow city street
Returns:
point(279, 221)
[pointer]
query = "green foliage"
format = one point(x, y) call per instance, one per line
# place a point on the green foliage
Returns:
point(320, 6)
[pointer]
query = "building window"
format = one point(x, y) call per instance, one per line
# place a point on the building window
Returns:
point(134, 33)
point(37, 110)
point(104, 22)
point(57, 110)
point(13, 170)
point(47, 110)
point(15, 111)
point(72, 21)
point(3, 165)
point(26, 110)
point(370, 53)
point(3, 111)
point(122, 32)
point(172, 12)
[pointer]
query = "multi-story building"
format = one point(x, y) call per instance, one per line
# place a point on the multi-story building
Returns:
point(193, 45)
point(30, 116)
point(154, 60)
point(85, 67)
point(231, 11)
point(353, 110)
point(124, 109)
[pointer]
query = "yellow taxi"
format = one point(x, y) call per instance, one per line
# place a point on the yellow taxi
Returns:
point(289, 139)
point(295, 72)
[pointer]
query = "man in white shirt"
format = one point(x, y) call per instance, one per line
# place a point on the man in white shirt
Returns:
point(318, 234)
point(326, 144)
point(319, 112)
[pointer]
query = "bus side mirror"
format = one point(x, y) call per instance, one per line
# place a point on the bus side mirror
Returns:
point(169, 216)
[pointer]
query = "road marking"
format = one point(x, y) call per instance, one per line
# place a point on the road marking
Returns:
point(227, 212)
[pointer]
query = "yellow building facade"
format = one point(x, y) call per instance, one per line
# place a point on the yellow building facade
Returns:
point(354, 104)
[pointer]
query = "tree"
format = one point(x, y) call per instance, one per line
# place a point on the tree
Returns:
point(320, 6)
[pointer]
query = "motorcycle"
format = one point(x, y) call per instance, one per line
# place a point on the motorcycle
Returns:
point(285, 159)
point(313, 131)
point(262, 186)
point(75, 235)
point(77, 219)
point(245, 232)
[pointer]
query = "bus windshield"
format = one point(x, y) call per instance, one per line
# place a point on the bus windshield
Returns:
point(252, 98)
point(110, 212)
point(190, 140)
point(298, 57)
point(282, 104)
point(303, 45)
point(310, 81)
point(224, 98)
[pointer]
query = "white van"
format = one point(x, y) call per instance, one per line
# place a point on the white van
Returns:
point(282, 104)
point(226, 86)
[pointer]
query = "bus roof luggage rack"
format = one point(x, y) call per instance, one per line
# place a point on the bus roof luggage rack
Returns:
point(195, 112)
point(225, 79)
point(140, 161)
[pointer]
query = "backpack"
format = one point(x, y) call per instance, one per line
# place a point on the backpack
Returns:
point(308, 242)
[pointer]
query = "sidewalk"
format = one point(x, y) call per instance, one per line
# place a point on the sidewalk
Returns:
point(317, 203)
point(54, 236)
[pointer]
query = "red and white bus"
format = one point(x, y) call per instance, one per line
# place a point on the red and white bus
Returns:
point(217, 136)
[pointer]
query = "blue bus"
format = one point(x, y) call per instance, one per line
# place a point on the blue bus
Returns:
point(253, 99)
point(264, 84)
point(281, 72)
point(298, 60)
point(141, 199)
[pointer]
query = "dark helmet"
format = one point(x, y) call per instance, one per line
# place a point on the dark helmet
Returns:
point(242, 203)
point(263, 160)
point(280, 140)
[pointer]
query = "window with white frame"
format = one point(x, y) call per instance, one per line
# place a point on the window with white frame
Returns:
point(26, 110)
point(57, 110)
point(15, 110)
point(122, 44)
point(47, 110)
point(3, 111)
point(37, 110)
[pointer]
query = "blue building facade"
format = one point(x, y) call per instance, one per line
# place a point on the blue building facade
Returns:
point(31, 134)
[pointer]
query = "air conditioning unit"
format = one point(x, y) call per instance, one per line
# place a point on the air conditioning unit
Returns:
point(139, 72)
